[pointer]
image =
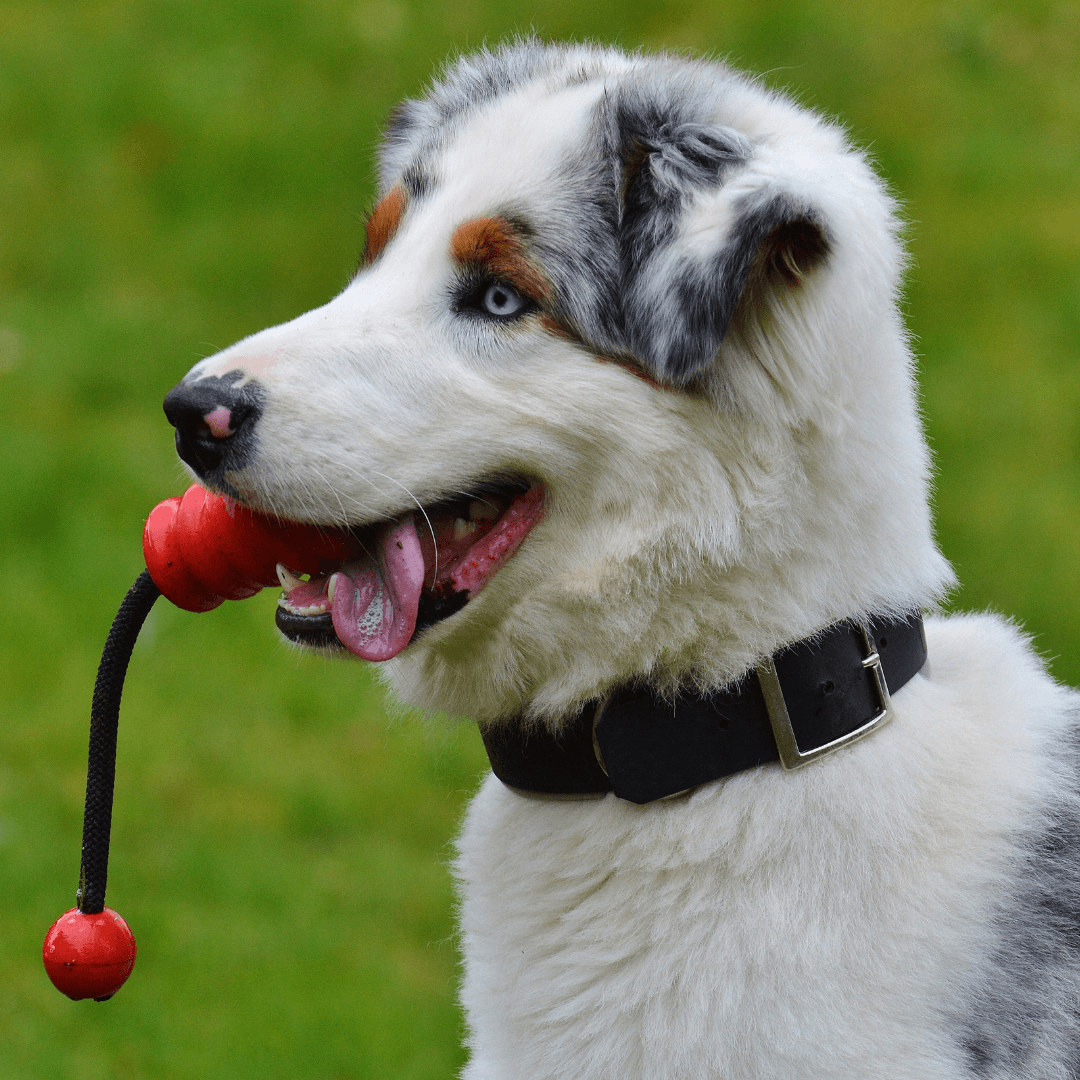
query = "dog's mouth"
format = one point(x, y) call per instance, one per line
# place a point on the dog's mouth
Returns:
point(416, 569)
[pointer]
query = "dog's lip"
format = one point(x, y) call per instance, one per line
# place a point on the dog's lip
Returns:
point(464, 540)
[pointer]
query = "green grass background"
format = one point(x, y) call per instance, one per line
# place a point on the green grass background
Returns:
point(174, 175)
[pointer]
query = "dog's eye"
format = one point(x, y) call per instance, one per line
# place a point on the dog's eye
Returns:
point(500, 300)
point(493, 299)
point(497, 298)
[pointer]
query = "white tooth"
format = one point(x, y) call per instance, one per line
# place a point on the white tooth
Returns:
point(331, 585)
point(288, 580)
point(463, 528)
point(482, 511)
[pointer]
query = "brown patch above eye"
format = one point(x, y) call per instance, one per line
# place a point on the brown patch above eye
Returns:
point(494, 245)
point(383, 223)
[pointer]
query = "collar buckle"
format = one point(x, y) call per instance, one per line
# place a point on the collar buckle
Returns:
point(791, 757)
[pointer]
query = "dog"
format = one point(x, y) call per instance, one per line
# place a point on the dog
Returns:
point(621, 405)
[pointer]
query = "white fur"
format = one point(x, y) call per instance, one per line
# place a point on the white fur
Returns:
point(823, 923)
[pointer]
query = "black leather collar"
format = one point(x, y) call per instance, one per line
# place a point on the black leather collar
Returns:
point(644, 748)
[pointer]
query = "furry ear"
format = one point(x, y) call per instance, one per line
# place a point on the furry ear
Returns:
point(702, 241)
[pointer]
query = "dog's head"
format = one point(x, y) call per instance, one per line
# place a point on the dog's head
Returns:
point(619, 390)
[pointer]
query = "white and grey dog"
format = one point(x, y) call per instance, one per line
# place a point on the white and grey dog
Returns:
point(620, 398)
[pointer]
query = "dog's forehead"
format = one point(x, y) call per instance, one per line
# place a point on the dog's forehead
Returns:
point(510, 152)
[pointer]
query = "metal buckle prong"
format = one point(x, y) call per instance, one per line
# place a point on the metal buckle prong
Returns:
point(601, 706)
point(791, 757)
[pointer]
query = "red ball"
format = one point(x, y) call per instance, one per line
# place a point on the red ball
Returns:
point(89, 956)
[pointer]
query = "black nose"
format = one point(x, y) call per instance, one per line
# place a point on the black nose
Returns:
point(215, 420)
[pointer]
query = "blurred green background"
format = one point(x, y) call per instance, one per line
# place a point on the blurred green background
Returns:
point(175, 175)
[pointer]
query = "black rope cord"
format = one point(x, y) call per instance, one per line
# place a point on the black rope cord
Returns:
point(101, 766)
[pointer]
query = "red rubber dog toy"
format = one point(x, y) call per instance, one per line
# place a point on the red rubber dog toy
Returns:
point(200, 550)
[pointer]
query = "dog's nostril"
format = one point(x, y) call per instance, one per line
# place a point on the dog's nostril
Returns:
point(827, 686)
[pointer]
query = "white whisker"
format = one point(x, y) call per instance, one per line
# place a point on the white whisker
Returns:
point(434, 542)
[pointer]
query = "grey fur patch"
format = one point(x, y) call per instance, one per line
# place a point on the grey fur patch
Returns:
point(664, 159)
point(681, 330)
point(1023, 1020)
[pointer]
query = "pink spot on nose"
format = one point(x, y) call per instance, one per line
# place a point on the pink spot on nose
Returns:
point(218, 422)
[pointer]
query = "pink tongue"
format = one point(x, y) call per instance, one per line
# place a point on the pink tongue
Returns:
point(375, 601)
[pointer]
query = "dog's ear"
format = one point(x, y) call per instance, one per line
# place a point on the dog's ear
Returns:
point(706, 239)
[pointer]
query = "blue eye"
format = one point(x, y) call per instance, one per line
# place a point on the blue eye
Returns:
point(500, 300)
point(493, 300)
